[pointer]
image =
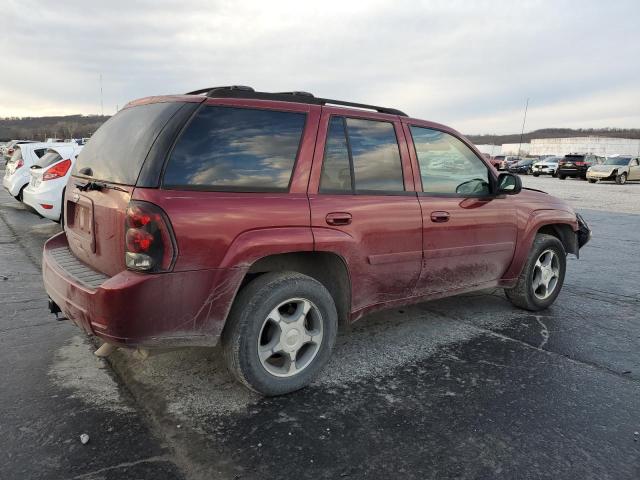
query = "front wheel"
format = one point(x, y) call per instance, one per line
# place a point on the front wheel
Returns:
point(280, 332)
point(621, 179)
point(542, 276)
point(562, 177)
point(536, 174)
point(592, 180)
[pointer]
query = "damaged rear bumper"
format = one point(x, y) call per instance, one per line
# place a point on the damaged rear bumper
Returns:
point(138, 309)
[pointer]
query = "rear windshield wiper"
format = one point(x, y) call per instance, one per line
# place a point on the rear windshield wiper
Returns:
point(92, 185)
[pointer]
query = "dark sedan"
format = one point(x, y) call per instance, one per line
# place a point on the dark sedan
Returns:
point(522, 167)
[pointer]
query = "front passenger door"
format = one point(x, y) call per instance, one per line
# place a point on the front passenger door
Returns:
point(469, 234)
point(634, 169)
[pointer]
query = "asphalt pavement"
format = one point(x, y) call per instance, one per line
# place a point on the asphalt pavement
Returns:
point(467, 387)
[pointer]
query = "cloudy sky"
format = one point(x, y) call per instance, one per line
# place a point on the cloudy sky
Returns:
point(469, 64)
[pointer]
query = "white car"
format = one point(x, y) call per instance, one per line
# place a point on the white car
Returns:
point(16, 175)
point(8, 148)
point(548, 166)
point(49, 175)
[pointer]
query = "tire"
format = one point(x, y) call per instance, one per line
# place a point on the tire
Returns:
point(525, 294)
point(536, 174)
point(250, 325)
point(621, 179)
point(562, 177)
point(19, 196)
point(592, 180)
point(61, 219)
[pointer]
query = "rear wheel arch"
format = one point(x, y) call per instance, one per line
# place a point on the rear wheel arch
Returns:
point(328, 268)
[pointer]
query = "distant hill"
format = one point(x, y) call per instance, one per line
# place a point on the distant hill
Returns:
point(40, 128)
point(77, 126)
point(489, 139)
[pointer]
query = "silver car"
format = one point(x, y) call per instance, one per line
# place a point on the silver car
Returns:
point(618, 168)
point(548, 166)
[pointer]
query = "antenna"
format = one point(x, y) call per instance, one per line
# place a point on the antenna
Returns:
point(101, 99)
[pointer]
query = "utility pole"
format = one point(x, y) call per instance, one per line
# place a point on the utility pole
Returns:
point(101, 98)
point(524, 120)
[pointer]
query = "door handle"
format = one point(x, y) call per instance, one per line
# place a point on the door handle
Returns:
point(338, 218)
point(440, 217)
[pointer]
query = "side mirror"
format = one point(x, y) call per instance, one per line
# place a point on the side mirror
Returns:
point(509, 184)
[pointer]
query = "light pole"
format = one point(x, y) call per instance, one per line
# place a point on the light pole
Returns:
point(524, 120)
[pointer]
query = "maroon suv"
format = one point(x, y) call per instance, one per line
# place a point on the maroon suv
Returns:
point(264, 220)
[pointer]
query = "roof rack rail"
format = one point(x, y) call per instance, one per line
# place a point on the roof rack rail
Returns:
point(243, 88)
point(240, 91)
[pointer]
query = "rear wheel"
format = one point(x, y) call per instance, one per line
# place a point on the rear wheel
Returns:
point(536, 174)
point(280, 332)
point(621, 179)
point(542, 276)
point(562, 177)
point(592, 180)
point(20, 193)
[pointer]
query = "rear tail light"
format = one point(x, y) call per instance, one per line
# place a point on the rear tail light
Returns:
point(580, 164)
point(149, 241)
point(46, 206)
point(19, 164)
point(10, 151)
point(59, 170)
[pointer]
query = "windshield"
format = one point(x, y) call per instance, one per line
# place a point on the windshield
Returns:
point(524, 162)
point(617, 161)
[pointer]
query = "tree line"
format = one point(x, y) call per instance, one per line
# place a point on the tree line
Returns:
point(41, 128)
point(489, 139)
point(78, 126)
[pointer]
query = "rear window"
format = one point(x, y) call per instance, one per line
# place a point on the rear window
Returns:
point(236, 149)
point(116, 152)
point(49, 158)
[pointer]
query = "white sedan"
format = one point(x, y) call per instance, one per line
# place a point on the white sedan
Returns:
point(49, 176)
point(16, 175)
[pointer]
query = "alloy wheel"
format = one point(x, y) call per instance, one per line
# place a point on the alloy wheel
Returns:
point(290, 337)
point(546, 273)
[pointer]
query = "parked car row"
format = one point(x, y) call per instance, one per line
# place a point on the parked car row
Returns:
point(618, 168)
point(37, 173)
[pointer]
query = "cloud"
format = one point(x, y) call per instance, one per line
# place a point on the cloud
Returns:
point(470, 65)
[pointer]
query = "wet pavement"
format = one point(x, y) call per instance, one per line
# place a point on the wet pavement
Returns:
point(467, 387)
point(52, 388)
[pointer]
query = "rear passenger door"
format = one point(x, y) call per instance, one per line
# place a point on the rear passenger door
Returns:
point(363, 204)
point(469, 235)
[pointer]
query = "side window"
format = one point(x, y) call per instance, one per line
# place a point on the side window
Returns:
point(336, 168)
point(236, 149)
point(447, 165)
point(376, 156)
point(364, 157)
point(40, 152)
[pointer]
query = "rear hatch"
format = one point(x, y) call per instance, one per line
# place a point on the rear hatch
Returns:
point(103, 181)
point(571, 161)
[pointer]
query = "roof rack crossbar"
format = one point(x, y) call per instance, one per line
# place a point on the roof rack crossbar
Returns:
point(240, 91)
